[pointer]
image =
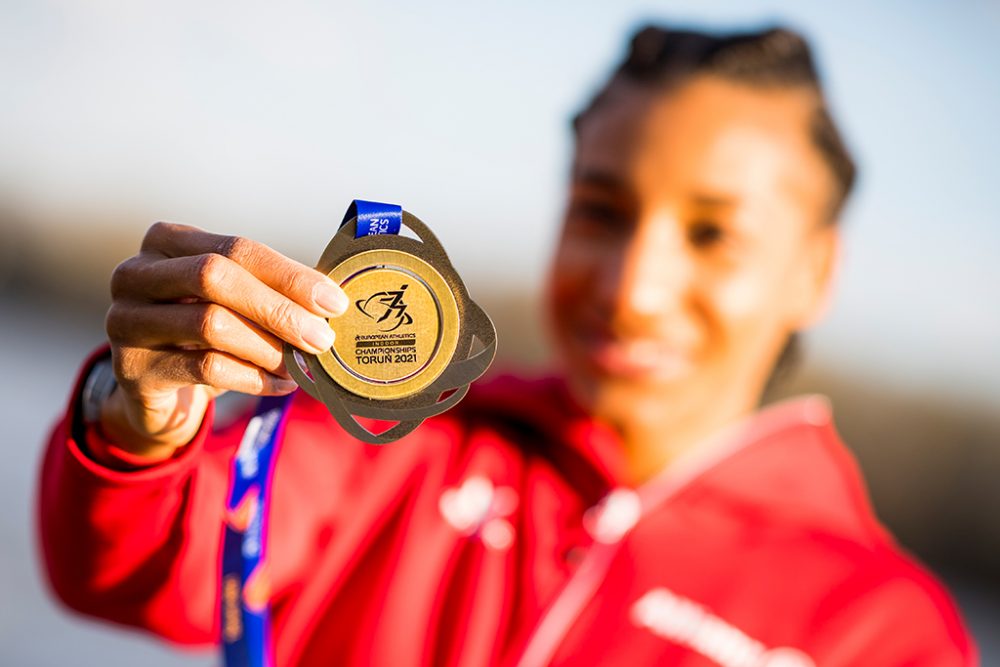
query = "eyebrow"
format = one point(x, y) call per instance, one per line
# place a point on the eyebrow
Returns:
point(711, 200)
point(610, 180)
point(599, 178)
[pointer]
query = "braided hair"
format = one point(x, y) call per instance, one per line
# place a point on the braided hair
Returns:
point(775, 58)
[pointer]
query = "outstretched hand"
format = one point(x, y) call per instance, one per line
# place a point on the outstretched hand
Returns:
point(195, 314)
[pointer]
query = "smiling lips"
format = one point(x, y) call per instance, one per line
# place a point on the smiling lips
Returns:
point(639, 358)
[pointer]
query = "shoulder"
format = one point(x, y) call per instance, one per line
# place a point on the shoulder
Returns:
point(795, 486)
point(896, 612)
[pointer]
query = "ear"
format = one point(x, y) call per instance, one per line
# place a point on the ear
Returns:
point(821, 263)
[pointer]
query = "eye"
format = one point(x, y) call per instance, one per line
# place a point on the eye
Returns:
point(706, 234)
point(596, 212)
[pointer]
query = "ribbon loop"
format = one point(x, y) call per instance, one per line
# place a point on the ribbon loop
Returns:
point(374, 218)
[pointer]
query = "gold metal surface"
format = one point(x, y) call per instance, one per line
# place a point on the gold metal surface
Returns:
point(401, 329)
point(433, 318)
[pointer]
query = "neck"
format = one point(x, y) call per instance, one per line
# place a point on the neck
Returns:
point(652, 440)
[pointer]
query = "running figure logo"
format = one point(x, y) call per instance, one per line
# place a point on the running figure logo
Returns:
point(381, 306)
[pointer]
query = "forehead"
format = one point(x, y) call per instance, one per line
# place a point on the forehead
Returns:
point(707, 135)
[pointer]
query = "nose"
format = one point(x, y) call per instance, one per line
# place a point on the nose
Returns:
point(650, 279)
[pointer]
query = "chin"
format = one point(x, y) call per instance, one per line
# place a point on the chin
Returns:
point(623, 399)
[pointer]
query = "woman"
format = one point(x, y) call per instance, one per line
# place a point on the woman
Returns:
point(639, 511)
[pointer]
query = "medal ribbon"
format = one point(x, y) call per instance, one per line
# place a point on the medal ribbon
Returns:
point(246, 590)
point(245, 585)
point(374, 218)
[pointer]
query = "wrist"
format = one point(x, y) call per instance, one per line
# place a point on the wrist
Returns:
point(120, 424)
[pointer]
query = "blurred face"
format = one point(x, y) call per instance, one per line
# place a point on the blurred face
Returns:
point(693, 245)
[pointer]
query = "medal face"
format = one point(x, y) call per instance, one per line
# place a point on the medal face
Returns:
point(410, 342)
point(401, 330)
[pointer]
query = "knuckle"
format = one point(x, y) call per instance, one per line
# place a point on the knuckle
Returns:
point(158, 229)
point(123, 277)
point(212, 323)
point(209, 271)
point(156, 232)
point(211, 368)
point(236, 248)
point(116, 323)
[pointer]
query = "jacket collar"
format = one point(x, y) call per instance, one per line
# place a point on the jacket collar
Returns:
point(785, 461)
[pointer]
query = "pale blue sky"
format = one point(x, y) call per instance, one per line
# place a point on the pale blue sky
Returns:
point(266, 119)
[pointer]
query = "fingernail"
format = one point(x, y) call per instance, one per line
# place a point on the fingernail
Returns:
point(330, 298)
point(284, 386)
point(318, 333)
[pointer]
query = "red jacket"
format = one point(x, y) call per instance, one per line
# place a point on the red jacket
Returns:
point(482, 539)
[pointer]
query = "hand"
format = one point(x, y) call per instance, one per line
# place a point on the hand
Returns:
point(195, 314)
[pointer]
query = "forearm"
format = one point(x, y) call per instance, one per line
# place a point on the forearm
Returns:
point(133, 546)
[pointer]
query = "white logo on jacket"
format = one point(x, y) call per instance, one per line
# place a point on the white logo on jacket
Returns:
point(478, 507)
point(689, 624)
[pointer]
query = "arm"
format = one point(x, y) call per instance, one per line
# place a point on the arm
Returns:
point(131, 506)
point(136, 546)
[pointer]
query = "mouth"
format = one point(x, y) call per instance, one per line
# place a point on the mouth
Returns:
point(633, 358)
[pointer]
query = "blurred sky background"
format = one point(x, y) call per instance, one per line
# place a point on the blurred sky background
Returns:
point(266, 119)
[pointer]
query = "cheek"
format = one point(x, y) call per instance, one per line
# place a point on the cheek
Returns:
point(747, 311)
point(739, 298)
point(560, 288)
point(571, 279)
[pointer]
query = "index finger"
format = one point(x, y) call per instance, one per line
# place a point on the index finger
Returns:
point(306, 286)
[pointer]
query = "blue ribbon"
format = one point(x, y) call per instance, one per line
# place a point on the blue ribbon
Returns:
point(246, 626)
point(374, 218)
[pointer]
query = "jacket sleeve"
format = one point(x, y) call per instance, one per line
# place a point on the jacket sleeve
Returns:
point(904, 618)
point(135, 545)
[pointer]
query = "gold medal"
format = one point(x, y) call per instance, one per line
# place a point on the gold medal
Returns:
point(411, 335)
